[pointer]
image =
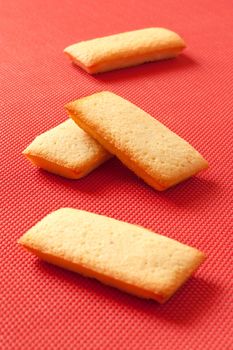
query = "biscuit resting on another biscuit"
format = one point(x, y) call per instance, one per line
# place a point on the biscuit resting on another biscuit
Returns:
point(116, 253)
point(155, 153)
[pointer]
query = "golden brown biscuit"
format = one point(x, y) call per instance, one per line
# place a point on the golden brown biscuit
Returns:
point(143, 144)
point(125, 49)
point(117, 253)
point(66, 150)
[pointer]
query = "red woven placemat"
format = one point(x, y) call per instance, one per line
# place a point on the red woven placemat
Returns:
point(45, 307)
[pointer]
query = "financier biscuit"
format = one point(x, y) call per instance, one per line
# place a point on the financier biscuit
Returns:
point(143, 144)
point(116, 253)
point(66, 150)
point(125, 49)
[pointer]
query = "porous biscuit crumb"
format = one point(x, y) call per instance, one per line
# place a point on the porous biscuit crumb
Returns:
point(143, 144)
point(117, 253)
point(66, 150)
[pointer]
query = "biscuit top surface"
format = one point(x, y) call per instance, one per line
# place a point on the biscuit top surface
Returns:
point(111, 247)
point(67, 145)
point(148, 143)
point(133, 43)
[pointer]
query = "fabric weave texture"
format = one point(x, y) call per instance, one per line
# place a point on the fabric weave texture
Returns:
point(46, 307)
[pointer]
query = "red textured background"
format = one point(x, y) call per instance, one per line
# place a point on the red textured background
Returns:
point(45, 307)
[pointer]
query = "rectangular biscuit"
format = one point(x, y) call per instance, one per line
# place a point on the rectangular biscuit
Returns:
point(66, 150)
point(143, 144)
point(116, 253)
point(125, 49)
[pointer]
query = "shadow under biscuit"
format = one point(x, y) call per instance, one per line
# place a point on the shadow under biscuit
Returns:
point(147, 69)
point(192, 191)
point(113, 173)
point(191, 302)
point(108, 175)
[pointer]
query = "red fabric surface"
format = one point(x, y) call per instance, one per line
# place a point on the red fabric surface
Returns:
point(45, 307)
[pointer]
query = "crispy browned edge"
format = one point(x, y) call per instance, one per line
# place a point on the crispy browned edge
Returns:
point(61, 170)
point(115, 63)
point(119, 284)
point(155, 183)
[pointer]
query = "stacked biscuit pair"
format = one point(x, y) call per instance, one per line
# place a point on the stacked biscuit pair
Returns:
point(102, 125)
